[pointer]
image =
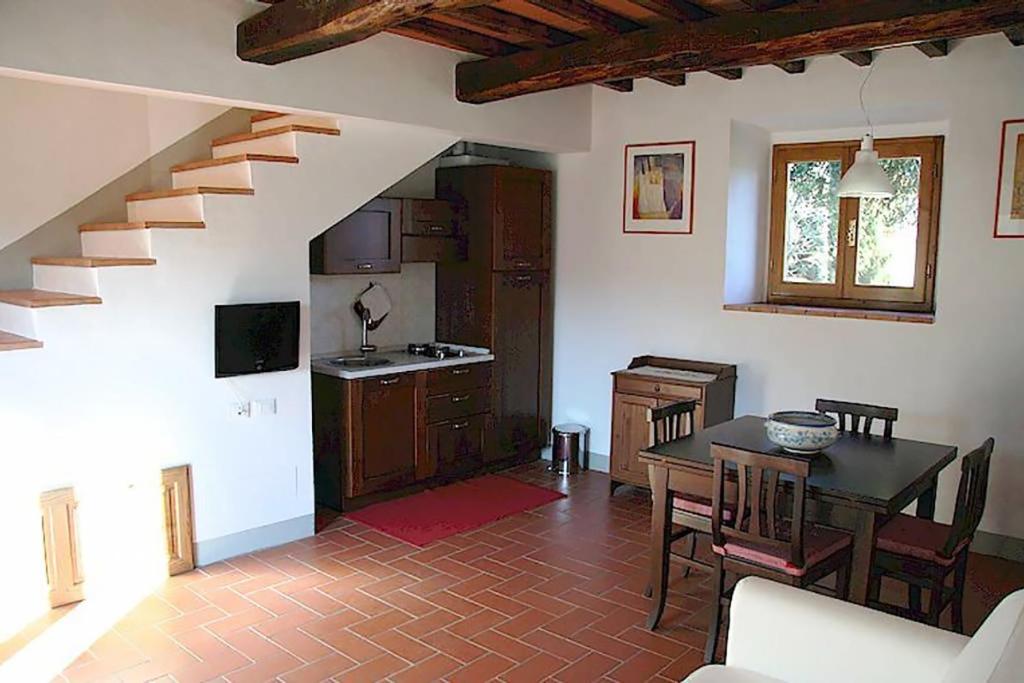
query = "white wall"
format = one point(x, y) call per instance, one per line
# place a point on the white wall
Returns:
point(61, 143)
point(188, 46)
point(618, 296)
point(123, 389)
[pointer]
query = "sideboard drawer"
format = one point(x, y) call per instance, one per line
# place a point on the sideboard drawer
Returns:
point(654, 387)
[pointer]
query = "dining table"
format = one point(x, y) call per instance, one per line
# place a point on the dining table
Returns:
point(857, 483)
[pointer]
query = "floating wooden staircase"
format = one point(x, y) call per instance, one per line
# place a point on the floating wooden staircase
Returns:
point(74, 280)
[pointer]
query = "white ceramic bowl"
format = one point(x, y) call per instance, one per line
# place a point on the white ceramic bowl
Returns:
point(801, 432)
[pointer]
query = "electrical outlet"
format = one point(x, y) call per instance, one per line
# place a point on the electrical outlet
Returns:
point(241, 409)
point(266, 406)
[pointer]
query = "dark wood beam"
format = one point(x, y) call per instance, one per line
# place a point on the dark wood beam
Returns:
point(673, 79)
point(602, 21)
point(619, 86)
point(766, 5)
point(861, 58)
point(1015, 35)
point(728, 74)
point(526, 32)
point(298, 28)
point(797, 66)
point(735, 40)
point(934, 48)
point(678, 10)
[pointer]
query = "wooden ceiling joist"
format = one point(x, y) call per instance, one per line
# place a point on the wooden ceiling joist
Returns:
point(797, 66)
point(678, 10)
point(934, 48)
point(297, 28)
point(1015, 35)
point(728, 74)
point(735, 40)
point(446, 35)
point(508, 26)
point(860, 58)
point(599, 19)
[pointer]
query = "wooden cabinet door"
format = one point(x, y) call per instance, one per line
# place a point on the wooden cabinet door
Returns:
point(368, 241)
point(458, 446)
point(522, 230)
point(521, 367)
point(631, 432)
point(384, 433)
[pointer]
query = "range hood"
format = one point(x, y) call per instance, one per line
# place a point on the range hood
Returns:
point(470, 154)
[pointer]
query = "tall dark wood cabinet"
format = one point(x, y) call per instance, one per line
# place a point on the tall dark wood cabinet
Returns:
point(501, 298)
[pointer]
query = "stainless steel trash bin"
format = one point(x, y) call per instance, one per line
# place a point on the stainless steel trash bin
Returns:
point(570, 441)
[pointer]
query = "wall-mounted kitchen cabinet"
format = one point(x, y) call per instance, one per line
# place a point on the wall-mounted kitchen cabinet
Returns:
point(429, 232)
point(368, 241)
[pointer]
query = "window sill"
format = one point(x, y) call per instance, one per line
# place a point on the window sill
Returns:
point(853, 313)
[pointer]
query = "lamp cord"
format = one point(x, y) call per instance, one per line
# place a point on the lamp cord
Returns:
point(863, 84)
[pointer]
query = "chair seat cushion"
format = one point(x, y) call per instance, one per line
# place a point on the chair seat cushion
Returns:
point(820, 543)
point(918, 538)
point(727, 674)
point(698, 505)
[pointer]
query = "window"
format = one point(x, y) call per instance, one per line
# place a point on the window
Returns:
point(855, 253)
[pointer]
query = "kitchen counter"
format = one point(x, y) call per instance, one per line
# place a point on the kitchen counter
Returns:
point(401, 361)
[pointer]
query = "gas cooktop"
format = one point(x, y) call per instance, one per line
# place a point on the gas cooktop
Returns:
point(438, 351)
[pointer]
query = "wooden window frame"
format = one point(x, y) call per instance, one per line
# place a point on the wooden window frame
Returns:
point(844, 293)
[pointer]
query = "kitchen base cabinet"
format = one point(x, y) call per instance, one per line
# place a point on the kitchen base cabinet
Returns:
point(653, 382)
point(377, 437)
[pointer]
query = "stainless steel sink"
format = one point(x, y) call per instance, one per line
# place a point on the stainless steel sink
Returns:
point(359, 362)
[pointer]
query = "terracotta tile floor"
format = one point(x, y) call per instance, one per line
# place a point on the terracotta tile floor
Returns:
point(550, 594)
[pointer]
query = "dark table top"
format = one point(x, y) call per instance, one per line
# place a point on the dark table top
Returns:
point(864, 471)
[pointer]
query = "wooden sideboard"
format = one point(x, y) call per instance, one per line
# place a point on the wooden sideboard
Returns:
point(651, 382)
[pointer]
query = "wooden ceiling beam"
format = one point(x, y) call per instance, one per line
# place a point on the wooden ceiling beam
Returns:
point(735, 40)
point(528, 32)
point(454, 38)
point(728, 74)
point(797, 66)
point(602, 21)
point(934, 48)
point(861, 58)
point(298, 28)
point(1015, 35)
point(675, 79)
point(677, 10)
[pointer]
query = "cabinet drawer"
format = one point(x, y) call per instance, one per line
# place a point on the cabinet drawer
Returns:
point(458, 378)
point(428, 217)
point(405, 379)
point(458, 404)
point(458, 445)
point(656, 388)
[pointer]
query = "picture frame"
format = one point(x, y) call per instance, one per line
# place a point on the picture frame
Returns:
point(1009, 221)
point(658, 188)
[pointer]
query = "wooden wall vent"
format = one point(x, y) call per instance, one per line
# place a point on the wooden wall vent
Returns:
point(61, 547)
point(177, 493)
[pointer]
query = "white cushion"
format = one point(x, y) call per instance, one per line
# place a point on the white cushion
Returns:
point(728, 674)
point(996, 652)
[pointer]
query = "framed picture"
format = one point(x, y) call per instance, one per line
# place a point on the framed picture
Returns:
point(658, 188)
point(1010, 192)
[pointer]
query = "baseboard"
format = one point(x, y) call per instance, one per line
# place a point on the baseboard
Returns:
point(224, 547)
point(598, 461)
point(1006, 547)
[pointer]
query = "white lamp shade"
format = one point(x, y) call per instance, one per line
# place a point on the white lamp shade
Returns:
point(866, 178)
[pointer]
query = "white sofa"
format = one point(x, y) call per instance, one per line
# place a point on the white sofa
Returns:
point(779, 634)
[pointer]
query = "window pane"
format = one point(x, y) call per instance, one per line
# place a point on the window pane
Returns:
point(887, 240)
point(812, 221)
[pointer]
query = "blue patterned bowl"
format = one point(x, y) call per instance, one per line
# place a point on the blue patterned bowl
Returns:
point(801, 432)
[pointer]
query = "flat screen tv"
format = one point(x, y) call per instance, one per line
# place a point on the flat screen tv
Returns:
point(254, 338)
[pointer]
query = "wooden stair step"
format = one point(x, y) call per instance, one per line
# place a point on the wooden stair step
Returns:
point(141, 225)
point(14, 342)
point(40, 298)
point(234, 159)
point(91, 261)
point(186, 191)
point(280, 130)
point(265, 115)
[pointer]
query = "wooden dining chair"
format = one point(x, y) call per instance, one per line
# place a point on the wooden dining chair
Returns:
point(766, 535)
point(923, 553)
point(691, 511)
point(857, 412)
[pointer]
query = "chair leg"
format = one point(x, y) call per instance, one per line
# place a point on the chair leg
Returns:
point(959, 579)
point(934, 603)
point(914, 599)
point(716, 611)
point(874, 587)
point(843, 581)
point(693, 550)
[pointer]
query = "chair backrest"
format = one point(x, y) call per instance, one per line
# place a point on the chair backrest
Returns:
point(970, 496)
point(856, 412)
point(759, 517)
point(995, 653)
point(671, 422)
